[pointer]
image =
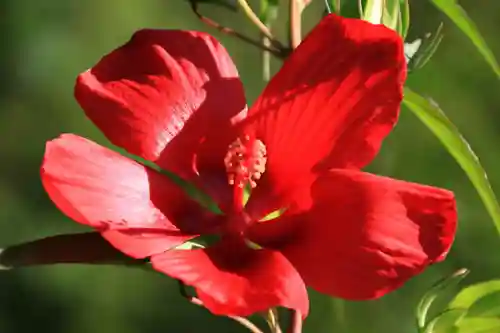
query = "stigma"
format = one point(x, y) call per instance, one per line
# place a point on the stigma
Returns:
point(245, 161)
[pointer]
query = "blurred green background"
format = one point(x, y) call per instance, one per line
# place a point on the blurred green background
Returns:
point(47, 43)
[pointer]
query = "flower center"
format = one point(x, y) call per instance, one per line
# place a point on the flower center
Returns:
point(245, 161)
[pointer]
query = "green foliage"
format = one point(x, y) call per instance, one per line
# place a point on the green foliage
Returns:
point(390, 17)
point(394, 14)
point(435, 119)
point(476, 325)
point(268, 11)
point(334, 6)
point(430, 296)
point(481, 300)
point(372, 10)
point(404, 18)
point(445, 321)
point(426, 49)
point(479, 306)
point(459, 16)
point(230, 4)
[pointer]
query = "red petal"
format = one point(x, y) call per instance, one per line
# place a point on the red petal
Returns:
point(234, 280)
point(364, 235)
point(138, 210)
point(158, 95)
point(332, 103)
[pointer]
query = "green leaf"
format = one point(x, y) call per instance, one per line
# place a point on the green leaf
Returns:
point(482, 299)
point(487, 306)
point(229, 4)
point(189, 245)
point(268, 11)
point(427, 49)
point(391, 15)
point(435, 119)
point(445, 322)
point(83, 248)
point(482, 303)
point(459, 16)
point(373, 11)
point(273, 215)
point(404, 19)
point(430, 296)
point(478, 325)
point(333, 5)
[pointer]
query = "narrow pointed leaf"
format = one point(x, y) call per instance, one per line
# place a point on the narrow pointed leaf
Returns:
point(435, 119)
point(84, 248)
point(404, 18)
point(459, 16)
point(431, 295)
point(427, 50)
point(229, 4)
point(333, 6)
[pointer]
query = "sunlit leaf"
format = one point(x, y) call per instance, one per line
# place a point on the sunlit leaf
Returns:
point(435, 119)
point(431, 295)
point(482, 299)
point(445, 322)
point(189, 245)
point(478, 325)
point(390, 17)
point(459, 16)
point(404, 18)
point(273, 215)
point(488, 306)
point(373, 11)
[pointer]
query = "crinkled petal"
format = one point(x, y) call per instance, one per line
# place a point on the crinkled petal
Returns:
point(161, 93)
point(361, 235)
point(234, 280)
point(138, 210)
point(331, 104)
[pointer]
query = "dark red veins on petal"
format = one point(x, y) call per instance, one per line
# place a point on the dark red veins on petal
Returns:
point(161, 93)
point(331, 104)
point(360, 236)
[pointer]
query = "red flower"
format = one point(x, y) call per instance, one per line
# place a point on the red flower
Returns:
point(174, 98)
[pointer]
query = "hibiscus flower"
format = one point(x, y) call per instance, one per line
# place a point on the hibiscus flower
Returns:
point(293, 208)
